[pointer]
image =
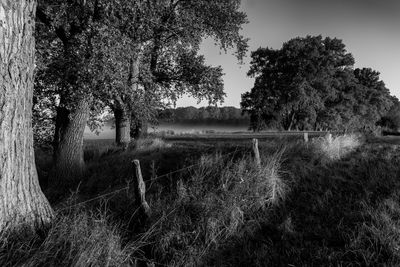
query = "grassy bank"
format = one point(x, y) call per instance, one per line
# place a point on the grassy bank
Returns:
point(329, 202)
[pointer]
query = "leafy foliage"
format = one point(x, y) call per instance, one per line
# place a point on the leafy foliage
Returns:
point(140, 55)
point(309, 84)
point(392, 119)
point(210, 114)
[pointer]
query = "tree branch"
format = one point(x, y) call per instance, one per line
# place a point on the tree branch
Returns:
point(60, 32)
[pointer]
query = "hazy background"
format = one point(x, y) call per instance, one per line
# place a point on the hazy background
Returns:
point(370, 29)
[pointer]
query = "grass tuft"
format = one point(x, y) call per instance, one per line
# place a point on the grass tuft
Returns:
point(79, 238)
point(151, 144)
point(335, 148)
point(218, 202)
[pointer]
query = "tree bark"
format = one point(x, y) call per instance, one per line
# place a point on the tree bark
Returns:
point(140, 127)
point(22, 203)
point(122, 112)
point(69, 161)
point(122, 126)
point(62, 120)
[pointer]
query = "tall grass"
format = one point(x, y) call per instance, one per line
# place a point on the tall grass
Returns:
point(226, 211)
point(78, 238)
point(151, 144)
point(378, 239)
point(222, 199)
point(336, 147)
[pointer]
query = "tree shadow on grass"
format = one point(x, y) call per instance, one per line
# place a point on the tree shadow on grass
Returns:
point(317, 223)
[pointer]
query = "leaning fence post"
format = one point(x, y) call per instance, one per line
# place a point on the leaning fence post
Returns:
point(257, 159)
point(140, 189)
point(306, 137)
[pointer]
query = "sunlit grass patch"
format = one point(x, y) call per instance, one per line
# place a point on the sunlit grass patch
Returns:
point(336, 147)
point(151, 144)
point(219, 200)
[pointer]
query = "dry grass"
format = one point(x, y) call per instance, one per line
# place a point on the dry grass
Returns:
point(336, 147)
point(78, 238)
point(221, 200)
point(378, 239)
point(294, 210)
point(151, 144)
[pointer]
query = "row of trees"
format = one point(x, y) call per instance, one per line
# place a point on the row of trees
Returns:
point(131, 56)
point(311, 84)
point(203, 115)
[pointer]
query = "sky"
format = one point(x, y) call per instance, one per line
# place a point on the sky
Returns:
point(370, 29)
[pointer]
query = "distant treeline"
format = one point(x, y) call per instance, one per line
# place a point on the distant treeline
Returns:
point(204, 115)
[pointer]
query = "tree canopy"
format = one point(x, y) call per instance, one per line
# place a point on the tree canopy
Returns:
point(310, 83)
point(95, 47)
point(134, 57)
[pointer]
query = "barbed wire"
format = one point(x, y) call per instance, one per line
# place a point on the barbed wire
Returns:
point(93, 199)
point(149, 180)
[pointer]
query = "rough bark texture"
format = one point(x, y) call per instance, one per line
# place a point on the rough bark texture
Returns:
point(69, 161)
point(22, 203)
point(122, 112)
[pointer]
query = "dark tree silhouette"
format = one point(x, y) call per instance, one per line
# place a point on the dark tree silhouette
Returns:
point(309, 84)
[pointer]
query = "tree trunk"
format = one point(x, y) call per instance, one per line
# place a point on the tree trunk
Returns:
point(139, 126)
point(22, 203)
point(62, 120)
point(122, 126)
point(122, 113)
point(69, 161)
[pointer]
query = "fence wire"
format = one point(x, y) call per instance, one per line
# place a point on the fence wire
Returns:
point(152, 180)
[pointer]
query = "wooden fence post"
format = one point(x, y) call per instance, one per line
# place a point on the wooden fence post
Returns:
point(140, 189)
point(329, 137)
point(306, 137)
point(256, 153)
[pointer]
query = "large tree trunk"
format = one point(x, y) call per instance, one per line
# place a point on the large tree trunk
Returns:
point(22, 203)
point(139, 127)
point(122, 112)
point(122, 126)
point(62, 120)
point(69, 161)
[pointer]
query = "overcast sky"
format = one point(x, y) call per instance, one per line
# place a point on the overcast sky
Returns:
point(370, 29)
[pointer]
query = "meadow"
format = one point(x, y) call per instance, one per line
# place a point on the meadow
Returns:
point(328, 202)
point(108, 130)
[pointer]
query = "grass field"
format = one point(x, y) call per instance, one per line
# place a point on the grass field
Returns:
point(322, 203)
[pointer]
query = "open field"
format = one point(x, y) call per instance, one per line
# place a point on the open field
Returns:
point(324, 203)
point(108, 130)
point(236, 136)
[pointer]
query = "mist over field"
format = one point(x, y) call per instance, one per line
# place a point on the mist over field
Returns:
point(108, 130)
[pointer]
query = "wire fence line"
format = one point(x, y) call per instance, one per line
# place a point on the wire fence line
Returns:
point(152, 180)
